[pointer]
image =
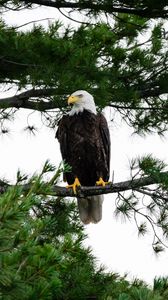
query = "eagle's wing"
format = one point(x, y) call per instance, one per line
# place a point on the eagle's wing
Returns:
point(61, 135)
point(105, 135)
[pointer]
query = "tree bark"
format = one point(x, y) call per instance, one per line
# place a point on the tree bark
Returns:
point(84, 191)
point(107, 8)
point(23, 100)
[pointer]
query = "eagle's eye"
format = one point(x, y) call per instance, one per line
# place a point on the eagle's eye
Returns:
point(80, 95)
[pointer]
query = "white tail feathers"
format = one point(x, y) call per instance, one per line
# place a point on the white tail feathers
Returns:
point(90, 209)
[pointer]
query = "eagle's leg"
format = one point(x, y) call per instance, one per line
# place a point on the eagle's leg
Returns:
point(74, 185)
point(101, 182)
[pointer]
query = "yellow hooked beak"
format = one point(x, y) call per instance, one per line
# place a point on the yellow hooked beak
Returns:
point(73, 99)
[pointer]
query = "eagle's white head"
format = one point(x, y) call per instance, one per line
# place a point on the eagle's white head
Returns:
point(81, 100)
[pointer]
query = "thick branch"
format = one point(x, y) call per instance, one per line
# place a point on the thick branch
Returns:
point(94, 190)
point(107, 8)
point(23, 100)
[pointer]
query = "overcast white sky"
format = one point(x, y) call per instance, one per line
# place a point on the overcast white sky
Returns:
point(115, 244)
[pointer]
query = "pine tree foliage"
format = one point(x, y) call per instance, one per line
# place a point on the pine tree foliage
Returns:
point(41, 248)
point(42, 254)
point(113, 60)
point(147, 205)
point(119, 54)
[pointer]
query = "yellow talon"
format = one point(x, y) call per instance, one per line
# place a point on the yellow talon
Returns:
point(101, 182)
point(74, 185)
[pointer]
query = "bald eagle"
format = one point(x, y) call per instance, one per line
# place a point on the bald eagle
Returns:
point(84, 140)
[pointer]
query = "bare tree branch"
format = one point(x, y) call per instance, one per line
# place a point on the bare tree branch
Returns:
point(103, 7)
point(84, 191)
point(23, 100)
point(32, 22)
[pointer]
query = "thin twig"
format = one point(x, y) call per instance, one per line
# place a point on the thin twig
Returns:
point(35, 21)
